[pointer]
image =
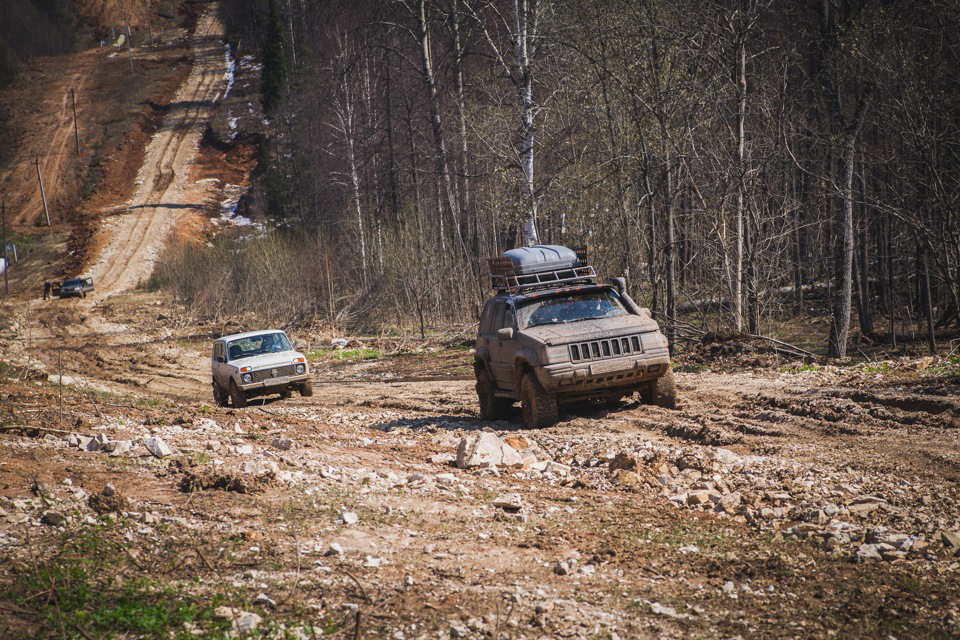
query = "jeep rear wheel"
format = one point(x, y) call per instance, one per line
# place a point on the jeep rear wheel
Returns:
point(491, 407)
point(662, 391)
point(306, 389)
point(220, 398)
point(540, 409)
point(238, 397)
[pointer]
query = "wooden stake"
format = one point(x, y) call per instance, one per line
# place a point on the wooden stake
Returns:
point(6, 263)
point(76, 129)
point(60, 380)
point(42, 194)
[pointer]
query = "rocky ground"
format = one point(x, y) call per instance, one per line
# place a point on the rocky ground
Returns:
point(777, 500)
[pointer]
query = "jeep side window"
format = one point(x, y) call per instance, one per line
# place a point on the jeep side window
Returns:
point(486, 318)
point(498, 317)
point(508, 322)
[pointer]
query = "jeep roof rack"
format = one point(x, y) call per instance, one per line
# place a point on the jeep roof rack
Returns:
point(539, 267)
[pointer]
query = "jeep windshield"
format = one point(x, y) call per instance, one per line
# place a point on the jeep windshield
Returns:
point(76, 282)
point(257, 345)
point(569, 307)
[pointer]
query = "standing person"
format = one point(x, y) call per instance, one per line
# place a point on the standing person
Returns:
point(46, 289)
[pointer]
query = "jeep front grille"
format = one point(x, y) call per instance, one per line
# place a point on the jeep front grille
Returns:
point(266, 374)
point(609, 348)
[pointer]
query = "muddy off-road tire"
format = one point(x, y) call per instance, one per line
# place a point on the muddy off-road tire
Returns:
point(238, 397)
point(286, 394)
point(491, 407)
point(306, 389)
point(220, 398)
point(661, 392)
point(540, 409)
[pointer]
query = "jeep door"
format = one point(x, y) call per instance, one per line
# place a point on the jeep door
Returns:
point(503, 352)
point(220, 373)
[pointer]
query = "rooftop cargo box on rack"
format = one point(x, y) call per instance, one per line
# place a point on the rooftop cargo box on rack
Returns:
point(541, 258)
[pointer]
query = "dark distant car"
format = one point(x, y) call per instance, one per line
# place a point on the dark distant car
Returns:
point(76, 287)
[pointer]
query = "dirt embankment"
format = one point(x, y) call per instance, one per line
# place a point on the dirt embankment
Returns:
point(120, 94)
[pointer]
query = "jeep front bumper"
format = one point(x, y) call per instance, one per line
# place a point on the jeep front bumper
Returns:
point(629, 371)
point(277, 383)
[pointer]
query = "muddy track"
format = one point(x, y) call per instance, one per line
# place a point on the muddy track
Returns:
point(137, 236)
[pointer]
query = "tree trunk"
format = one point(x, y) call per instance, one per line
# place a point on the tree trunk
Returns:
point(736, 308)
point(521, 47)
point(927, 301)
point(671, 260)
point(444, 181)
point(843, 258)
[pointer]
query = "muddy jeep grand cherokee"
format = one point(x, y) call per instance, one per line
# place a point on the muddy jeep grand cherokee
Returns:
point(553, 336)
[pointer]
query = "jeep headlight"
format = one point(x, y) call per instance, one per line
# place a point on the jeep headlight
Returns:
point(300, 369)
point(247, 378)
point(557, 354)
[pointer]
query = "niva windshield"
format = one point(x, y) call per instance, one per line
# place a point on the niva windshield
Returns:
point(570, 308)
point(257, 345)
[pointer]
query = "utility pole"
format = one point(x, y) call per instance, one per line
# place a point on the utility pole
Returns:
point(6, 263)
point(130, 47)
point(149, 27)
point(42, 194)
point(76, 130)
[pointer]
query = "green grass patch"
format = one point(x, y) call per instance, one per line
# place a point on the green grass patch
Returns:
point(346, 354)
point(91, 587)
point(946, 368)
point(798, 368)
point(690, 368)
point(95, 173)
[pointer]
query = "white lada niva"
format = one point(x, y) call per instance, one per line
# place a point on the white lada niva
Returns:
point(257, 363)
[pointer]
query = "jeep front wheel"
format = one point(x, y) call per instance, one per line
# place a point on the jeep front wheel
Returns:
point(491, 407)
point(219, 397)
point(306, 389)
point(540, 409)
point(661, 392)
point(238, 397)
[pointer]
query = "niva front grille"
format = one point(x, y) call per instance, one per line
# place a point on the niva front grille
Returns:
point(609, 348)
point(273, 372)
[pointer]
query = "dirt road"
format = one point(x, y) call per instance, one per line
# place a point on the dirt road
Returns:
point(164, 189)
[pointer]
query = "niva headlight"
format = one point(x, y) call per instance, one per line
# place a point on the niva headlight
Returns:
point(247, 378)
point(300, 369)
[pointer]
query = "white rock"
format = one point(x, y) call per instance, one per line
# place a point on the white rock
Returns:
point(265, 600)
point(157, 447)
point(373, 562)
point(334, 550)
point(486, 450)
point(661, 610)
point(349, 517)
point(509, 501)
point(243, 621)
point(725, 456)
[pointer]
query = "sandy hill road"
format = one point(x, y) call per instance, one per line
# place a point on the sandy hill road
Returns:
point(164, 190)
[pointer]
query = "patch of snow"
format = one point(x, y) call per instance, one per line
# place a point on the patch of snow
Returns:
point(229, 73)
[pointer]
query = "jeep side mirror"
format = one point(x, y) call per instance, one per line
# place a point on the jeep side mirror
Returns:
point(620, 284)
point(505, 334)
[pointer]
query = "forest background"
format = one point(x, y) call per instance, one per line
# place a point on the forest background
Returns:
point(741, 162)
